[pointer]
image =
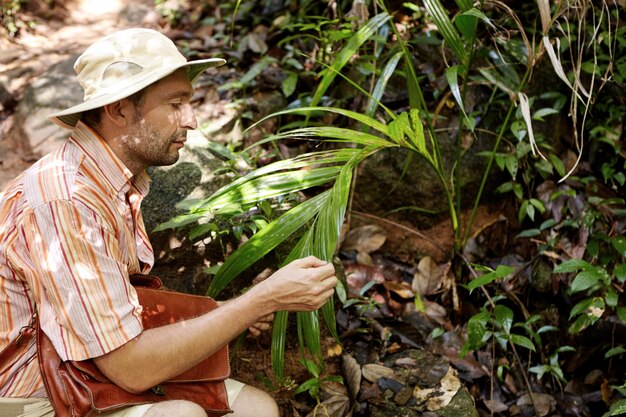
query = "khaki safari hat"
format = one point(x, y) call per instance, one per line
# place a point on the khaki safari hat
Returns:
point(121, 64)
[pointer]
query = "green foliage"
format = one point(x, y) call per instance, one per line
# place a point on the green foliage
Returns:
point(11, 17)
point(617, 409)
point(553, 367)
point(497, 324)
point(313, 385)
point(486, 47)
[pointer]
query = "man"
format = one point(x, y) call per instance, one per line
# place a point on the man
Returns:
point(71, 232)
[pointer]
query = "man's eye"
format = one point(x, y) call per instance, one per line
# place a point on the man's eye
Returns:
point(176, 104)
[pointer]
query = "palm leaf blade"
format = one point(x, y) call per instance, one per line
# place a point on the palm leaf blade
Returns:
point(264, 241)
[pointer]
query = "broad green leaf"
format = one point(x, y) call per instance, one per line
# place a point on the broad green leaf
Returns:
point(547, 224)
point(522, 341)
point(179, 221)
point(504, 317)
point(572, 265)
point(557, 164)
point(503, 271)
point(619, 243)
point(620, 272)
point(538, 204)
point(565, 348)
point(347, 52)
point(615, 351)
point(617, 409)
point(476, 330)
point(585, 280)
point(541, 113)
point(593, 306)
point(540, 370)
point(481, 281)
point(611, 298)
point(288, 86)
point(528, 233)
point(621, 313)
point(202, 230)
point(466, 23)
point(545, 329)
point(311, 385)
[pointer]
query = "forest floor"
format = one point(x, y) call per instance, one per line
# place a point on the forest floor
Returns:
point(369, 334)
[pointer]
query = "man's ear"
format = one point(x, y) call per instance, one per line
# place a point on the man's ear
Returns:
point(120, 113)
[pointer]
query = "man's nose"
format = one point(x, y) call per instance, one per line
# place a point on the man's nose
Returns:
point(188, 117)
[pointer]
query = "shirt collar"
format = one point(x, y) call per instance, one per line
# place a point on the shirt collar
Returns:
point(113, 170)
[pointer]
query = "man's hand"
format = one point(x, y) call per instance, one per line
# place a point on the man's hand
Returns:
point(303, 285)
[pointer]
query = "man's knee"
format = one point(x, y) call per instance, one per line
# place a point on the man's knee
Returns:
point(253, 402)
point(176, 408)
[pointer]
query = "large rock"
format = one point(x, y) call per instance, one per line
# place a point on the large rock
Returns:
point(55, 90)
point(397, 179)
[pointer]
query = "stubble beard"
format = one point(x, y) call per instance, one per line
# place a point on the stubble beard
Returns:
point(152, 148)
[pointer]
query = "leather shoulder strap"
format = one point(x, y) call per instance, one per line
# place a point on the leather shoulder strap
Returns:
point(18, 346)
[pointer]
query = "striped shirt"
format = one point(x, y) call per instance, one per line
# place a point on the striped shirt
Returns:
point(71, 232)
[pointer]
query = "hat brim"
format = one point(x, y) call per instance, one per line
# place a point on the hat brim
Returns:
point(69, 117)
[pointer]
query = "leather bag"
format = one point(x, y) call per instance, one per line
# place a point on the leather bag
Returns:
point(79, 389)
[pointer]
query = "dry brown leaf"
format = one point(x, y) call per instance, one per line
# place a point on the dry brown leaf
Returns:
point(544, 12)
point(364, 258)
point(496, 406)
point(437, 398)
point(365, 239)
point(336, 406)
point(334, 350)
point(333, 389)
point(373, 372)
point(402, 289)
point(428, 278)
point(543, 403)
point(358, 276)
point(352, 374)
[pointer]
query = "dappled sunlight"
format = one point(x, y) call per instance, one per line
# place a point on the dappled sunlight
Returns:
point(85, 272)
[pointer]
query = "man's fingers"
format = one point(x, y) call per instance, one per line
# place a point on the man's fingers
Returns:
point(310, 262)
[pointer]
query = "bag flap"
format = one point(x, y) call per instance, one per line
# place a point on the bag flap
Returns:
point(161, 308)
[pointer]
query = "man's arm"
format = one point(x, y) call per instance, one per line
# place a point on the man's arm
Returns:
point(162, 353)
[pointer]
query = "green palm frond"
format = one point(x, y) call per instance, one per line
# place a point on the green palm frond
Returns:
point(450, 35)
point(351, 47)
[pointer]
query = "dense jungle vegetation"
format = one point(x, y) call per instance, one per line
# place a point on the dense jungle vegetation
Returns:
point(526, 98)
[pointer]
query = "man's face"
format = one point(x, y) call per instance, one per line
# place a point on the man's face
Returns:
point(161, 121)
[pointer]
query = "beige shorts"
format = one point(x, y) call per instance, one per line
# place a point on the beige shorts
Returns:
point(38, 407)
